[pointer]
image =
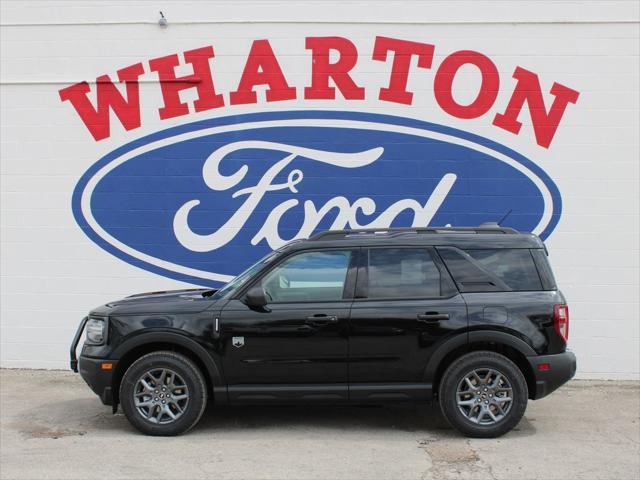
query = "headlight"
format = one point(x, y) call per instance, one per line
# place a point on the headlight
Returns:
point(96, 331)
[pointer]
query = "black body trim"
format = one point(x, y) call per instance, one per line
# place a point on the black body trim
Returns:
point(389, 392)
point(175, 338)
point(257, 394)
point(99, 380)
point(562, 368)
point(336, 393)
point(471, 337)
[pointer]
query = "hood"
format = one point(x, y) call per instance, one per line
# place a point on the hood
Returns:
point(192, 300)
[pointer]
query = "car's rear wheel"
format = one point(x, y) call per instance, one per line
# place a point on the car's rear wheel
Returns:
point(483, 394)
point(163, 393)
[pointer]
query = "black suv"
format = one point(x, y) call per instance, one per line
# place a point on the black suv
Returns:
point(470, 317)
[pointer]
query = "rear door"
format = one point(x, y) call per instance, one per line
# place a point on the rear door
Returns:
point(406, 305)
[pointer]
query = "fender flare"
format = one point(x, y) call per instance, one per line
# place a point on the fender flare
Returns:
point(468, 338)
point(198, 350)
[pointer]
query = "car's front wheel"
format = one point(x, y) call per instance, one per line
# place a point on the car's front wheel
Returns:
point(483, 394)
point(163, 393)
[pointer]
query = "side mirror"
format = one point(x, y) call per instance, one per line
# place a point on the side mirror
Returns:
point(255, 297)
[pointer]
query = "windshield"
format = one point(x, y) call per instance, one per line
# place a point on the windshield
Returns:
point(241, 279)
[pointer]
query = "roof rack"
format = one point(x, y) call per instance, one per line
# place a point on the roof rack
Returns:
point(485, 228)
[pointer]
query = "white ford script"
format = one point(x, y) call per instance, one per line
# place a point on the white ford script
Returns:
point(347, 212)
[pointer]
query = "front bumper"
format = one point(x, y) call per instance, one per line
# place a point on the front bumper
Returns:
point(561, 369)
point(98, 379)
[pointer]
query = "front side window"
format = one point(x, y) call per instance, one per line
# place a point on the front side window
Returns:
point(307, 277)
point(402, 273)
point(241, 279)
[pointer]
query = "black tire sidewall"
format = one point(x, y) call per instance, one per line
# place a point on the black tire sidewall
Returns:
point(464, 365)
point(189, 373)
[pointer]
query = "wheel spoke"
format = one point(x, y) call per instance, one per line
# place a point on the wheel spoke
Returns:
point(471, 385)
point(168, 411)
point(497, 380)
point(169, 382)
point(146, 385)
point(481, 415)
point(155, 414)
point(493, 417)
point(502, 399)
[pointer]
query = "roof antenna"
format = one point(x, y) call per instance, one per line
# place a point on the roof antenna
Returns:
point(499, 222)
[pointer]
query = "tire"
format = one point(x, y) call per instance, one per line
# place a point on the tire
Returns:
point(500, 415)
point(182, 378)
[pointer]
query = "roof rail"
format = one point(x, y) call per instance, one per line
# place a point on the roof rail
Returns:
point(485, 228)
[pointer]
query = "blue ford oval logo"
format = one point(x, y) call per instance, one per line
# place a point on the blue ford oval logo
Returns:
point(202, 201)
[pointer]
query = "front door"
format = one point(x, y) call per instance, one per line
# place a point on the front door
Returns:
point(295, 348)
point(406, 305)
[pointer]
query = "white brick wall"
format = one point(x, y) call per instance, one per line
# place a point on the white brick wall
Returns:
point(52, 274)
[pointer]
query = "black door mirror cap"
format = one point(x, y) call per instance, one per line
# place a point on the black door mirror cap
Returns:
point(255, 298)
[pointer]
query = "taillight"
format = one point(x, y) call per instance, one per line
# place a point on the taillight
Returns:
point(561, 321)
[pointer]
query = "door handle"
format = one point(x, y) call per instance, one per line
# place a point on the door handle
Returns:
point(322, 319)
point(432, 317)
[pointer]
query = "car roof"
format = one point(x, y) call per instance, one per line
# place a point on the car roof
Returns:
point(485, 236)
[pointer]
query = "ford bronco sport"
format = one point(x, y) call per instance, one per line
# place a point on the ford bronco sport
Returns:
point(469, 317)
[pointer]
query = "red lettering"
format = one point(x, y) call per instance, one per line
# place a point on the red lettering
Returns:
point(322, 69)
point(262, 68)
point(403, 51)
point(201, 79)
point(488, 89)
point(528, 90)
point(96, 119)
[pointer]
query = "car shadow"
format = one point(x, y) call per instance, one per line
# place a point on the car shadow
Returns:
point(87, 417)
point(408, 417)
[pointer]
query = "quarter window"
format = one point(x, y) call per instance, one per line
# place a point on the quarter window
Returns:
point(402, 273)
point(308, 276)
point(492, 270)
point(515, 267)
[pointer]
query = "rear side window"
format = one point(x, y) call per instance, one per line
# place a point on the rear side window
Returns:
point(492, 270)
point(515, 267)
point(402, 273)
point(544, 269)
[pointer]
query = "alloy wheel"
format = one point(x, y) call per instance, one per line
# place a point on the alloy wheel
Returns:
point(161, 396)
point(484, 396)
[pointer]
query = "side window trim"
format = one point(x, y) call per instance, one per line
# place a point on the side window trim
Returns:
point(350, 282)
point(351, 271)
point(447, 286)
point(362, 283)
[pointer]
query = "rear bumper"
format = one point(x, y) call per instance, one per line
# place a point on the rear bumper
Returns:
point(561, 369)
point(98, 379)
